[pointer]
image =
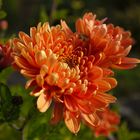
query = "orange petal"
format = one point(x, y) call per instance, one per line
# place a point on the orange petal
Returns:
point(99, 57)
point(22, 63)
point(92, 88)
point(107, 98)
point(37, 92)
point(80, 26)
point(25, 38)
point(33, 33)
point(44, 70)
point(126, 63)
point(91, 119)
point(18, 45)
point(30, 83)
point(40, 57)
point(98, 103)
point(65, 27)
point(40, 80)
point(72, 122)
point(70, 103)
point(27, 73)
point(95, 74)
point(111, 81)
point(43, 102)
point(126, 51)
point(84, 106)
point(124, 66)
point(29, 58)
point(57, 113)
point(103, 86)
point(107, 72)
point(127, 60)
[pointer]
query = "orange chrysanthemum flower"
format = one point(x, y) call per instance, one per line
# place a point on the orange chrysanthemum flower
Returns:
point(110, 45)
point(108, 123)
point(72, 70)
point(5, 55)
point(59, 73)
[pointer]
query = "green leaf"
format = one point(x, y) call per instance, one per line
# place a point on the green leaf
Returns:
point(4, 74)
point(5, 94)
point(9, 105)
point(125, 134)
point(38, 122)
point(2, 14)
point(11, 112)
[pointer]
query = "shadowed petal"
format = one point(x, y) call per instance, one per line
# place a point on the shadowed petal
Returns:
point(57, 113)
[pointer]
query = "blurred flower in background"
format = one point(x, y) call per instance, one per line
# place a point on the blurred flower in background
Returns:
point(3, 25)
point(109, 123)
point(5, 55)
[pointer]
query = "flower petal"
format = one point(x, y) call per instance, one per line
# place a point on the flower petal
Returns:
point(57, 113)
point(96, 73)
point(37, 92)
point(72, 122)
point(91, 119)
point(107, 98)
point(70, 103)
point(103, 85)
point(43, 102)
point(111, 81)
point(30, 83)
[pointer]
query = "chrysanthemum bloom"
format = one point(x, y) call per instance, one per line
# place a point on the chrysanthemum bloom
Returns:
point(108, 44)
point(5, 55)
point(108, 123)
point(58, 68)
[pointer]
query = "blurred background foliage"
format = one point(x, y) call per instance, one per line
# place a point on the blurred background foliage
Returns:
point(21, 15)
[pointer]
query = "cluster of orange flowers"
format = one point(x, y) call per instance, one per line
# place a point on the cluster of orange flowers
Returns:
point(73, 70)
